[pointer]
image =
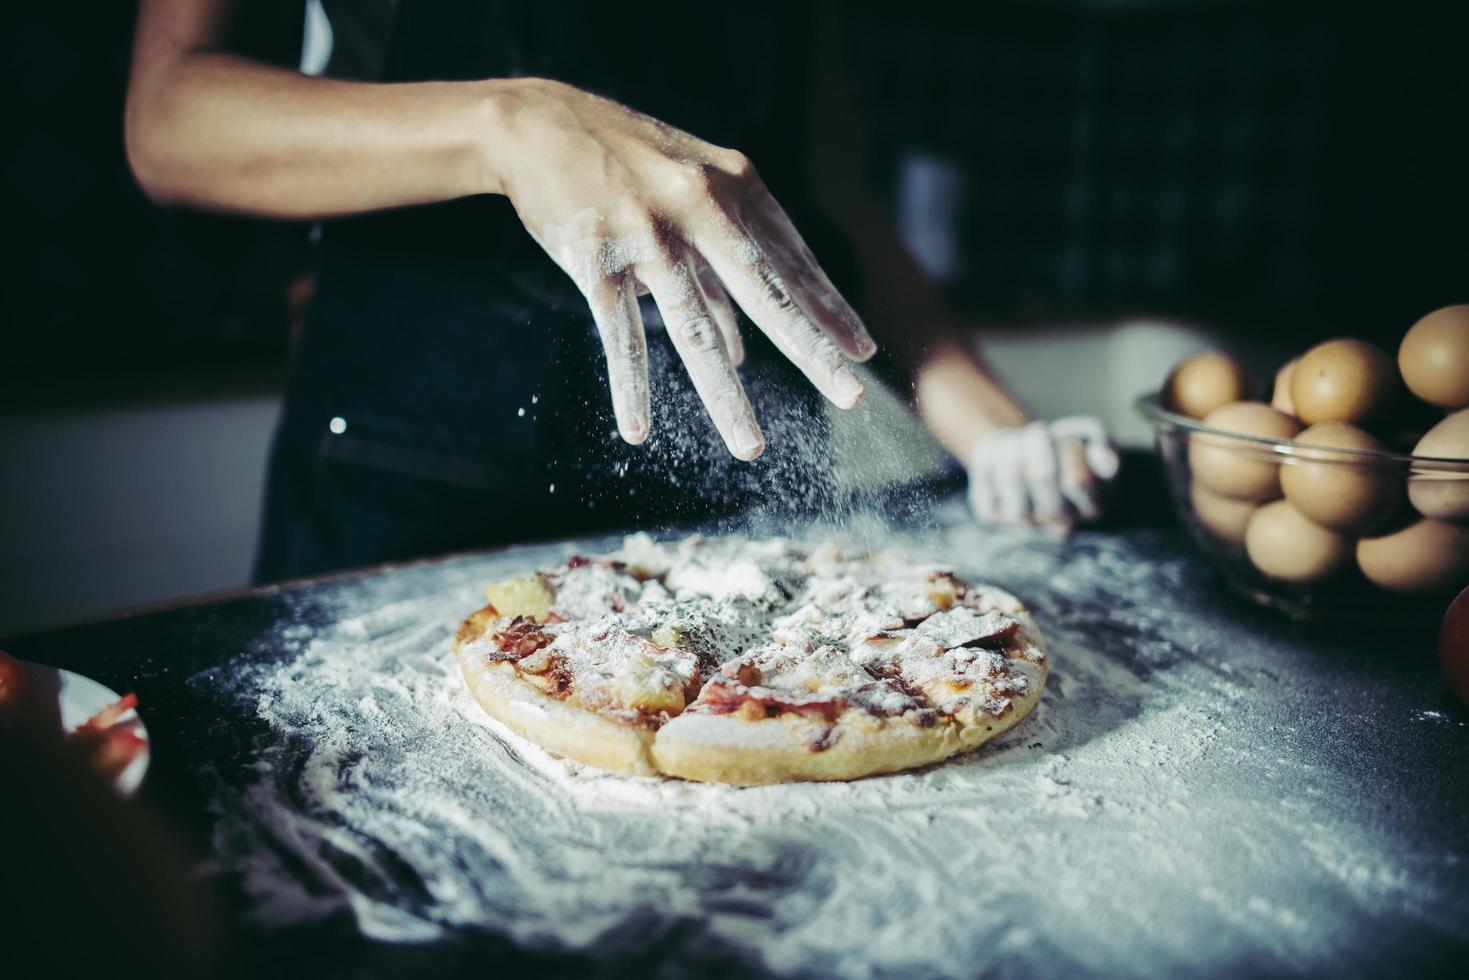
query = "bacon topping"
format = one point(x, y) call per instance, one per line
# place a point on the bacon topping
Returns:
point(895, 698)
point(889, 671)
point(727, 697)
point(1000, 636)
point(560, 680)
point(996, 707)
point(824, 740)
point(520, 639)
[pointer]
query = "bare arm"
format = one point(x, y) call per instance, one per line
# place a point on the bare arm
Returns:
point(210, 129)
point(622, 202)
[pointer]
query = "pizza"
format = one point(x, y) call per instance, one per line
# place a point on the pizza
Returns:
point(739, 661)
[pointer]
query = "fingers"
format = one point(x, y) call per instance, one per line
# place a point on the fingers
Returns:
point(615, 309)
point(996, 484)
point(984, 467)
point(724, 313)
point(1041, 473)
point(1029, 474)
point(1077, 483)
point(1090, 432)
point(1012, 503)
point(1103, 459)
point(982, 499)
point(762, 290)
point(809, 282)
point(701, 346)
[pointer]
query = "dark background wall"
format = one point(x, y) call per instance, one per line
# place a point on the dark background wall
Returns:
point(1276, 165)
point(1269, 173)
point(1280, 166)
point(99, 282)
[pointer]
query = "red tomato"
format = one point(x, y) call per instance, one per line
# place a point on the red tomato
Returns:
point(1453, 647)
point(12, 681)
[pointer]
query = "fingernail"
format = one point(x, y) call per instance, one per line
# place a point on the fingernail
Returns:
point(846, 386)
point(748, 441)
point(635, 430)
point(866, 346)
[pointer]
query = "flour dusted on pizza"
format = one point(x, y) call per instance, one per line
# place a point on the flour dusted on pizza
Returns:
point(731, 660)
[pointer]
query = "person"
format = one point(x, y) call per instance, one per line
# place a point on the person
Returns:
point(519, 182)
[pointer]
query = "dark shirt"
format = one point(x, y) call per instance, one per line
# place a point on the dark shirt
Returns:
point(460, 363)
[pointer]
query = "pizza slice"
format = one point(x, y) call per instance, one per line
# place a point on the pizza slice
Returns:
point(594, 688)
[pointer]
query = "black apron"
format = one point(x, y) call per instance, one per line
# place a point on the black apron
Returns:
point(449, 391)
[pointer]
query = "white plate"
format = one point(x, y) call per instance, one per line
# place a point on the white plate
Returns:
point(71, 699)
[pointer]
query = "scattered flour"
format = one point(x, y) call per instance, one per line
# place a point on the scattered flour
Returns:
point(1140, 815)
point(1437, 717)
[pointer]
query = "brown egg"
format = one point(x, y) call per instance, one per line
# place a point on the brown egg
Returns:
point(1342, 381)
point(1428, 556)
point(1223, 517)
point(1438, 494)
point(1434, 357)
point(1453, 647)
point(1203, 382)
point(1280, 398)
point(1285, 546)
point(1236, 467)
point(1340, 491)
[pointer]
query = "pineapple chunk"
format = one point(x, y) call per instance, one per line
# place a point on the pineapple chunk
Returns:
point(943, 593)
point(646, 686)
point(667, 636)
point(530, 597)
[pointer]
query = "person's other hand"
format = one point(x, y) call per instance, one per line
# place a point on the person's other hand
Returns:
point(1041, 473)
point(626, 204)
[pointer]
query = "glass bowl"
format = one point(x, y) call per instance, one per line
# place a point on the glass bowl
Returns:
point(1317, 573)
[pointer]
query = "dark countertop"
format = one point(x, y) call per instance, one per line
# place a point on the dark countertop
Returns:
point(1204, 789)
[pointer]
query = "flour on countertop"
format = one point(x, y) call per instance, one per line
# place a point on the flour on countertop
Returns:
point(384, 790)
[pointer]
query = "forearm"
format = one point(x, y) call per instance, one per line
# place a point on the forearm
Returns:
point(217, 131)
point(959, 399)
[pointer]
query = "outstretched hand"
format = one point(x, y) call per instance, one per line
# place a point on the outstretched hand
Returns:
point(626, 205)
point(1046, 473)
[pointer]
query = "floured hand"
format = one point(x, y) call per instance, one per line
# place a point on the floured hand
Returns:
point(625, 205)
point(1042, 473)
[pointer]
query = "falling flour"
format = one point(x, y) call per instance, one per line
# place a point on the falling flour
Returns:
point(1158, 807)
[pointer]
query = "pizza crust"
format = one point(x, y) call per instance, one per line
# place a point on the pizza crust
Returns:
point(555, 725)
point(792, 745)
point(725, 749)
